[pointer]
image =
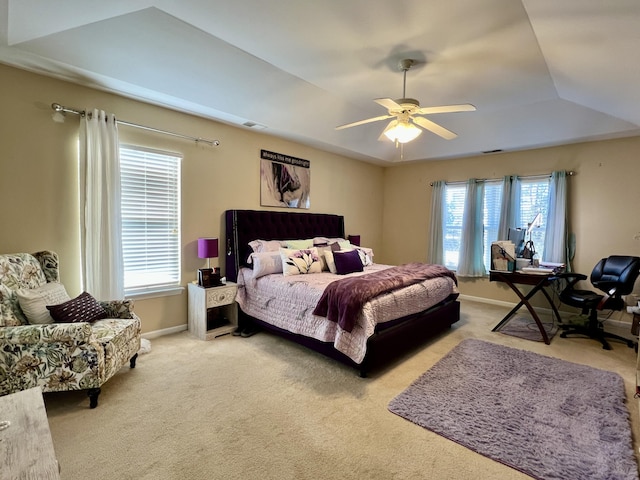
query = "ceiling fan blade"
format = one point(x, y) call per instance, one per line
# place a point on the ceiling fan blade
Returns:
point(435, 128)
point(382, 136)
point(465, 107)
point(362, 122)
point(388, 103)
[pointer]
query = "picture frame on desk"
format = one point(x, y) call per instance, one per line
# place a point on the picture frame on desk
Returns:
point(502, 257)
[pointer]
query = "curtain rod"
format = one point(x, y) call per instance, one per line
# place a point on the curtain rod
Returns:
point(62, 109)
point(569, 173)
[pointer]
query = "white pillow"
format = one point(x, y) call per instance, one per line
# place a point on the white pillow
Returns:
point(320, 241)
point(300, 262)
point(323, 258)
point(366, 255)
point(260, 246)
point(343, 242)
point(34, 301)
point(331, 263)
point(266, 263)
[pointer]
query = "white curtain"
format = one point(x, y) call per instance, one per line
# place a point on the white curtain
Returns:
point(471, 263)
point(435, 249)
point(101, 221)
point(555, 239)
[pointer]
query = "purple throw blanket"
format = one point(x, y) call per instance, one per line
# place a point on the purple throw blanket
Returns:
point(342, 300)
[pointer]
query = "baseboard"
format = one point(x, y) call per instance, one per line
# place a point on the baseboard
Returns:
point(621, 328)
point(618, 327)
point(490, 301)
point(164, 331)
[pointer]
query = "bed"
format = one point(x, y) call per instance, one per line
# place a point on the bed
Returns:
point(384, 329)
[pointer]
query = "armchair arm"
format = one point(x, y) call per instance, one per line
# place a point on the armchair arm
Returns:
point(118, 308)
point(69, 333)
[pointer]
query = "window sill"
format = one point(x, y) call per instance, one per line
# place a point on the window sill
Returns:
point(154, 293)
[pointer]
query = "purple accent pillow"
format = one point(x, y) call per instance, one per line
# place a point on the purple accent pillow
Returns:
point(83, 308)
point(347, 262)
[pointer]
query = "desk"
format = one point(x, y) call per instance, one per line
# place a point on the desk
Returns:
point(521, 278)
point(26, 448)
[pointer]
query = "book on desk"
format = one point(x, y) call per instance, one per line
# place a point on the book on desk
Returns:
point(545, 268)
point(538, 270)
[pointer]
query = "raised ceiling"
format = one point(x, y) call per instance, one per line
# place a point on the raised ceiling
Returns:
point(540, 72)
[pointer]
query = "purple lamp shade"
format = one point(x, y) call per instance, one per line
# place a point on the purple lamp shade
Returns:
point(354, 240)
point(207, 248)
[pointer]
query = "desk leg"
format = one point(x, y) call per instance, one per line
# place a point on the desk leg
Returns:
point(553, 306)
point(524, 300)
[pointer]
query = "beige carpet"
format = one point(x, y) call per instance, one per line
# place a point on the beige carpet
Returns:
point(263, 408)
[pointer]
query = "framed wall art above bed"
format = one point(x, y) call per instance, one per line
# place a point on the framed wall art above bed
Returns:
point(415, 302)
point(285, 181)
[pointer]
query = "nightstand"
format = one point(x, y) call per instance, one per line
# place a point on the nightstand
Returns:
point(212, 310)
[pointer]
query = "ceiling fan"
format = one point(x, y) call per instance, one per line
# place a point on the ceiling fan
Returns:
point(407, 113)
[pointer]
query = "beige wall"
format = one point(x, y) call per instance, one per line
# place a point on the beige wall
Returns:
point(388, 207)
point(603, 205)
point(39, 192)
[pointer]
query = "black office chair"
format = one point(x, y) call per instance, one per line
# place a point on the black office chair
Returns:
point(615, 276)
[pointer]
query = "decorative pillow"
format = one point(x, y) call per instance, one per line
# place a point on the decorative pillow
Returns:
point(323, 258)
point(266, 263)
point(34, 301)
point(331, 264)
point(366, 255)
point(335, 246)
point(347, 262)
point(83, 308)
point(300, 244)
point(260, 246)
point(300, 262)
point(343, 243)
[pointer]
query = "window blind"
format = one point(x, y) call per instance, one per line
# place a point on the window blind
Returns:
point(454, 208)
point(150, 218)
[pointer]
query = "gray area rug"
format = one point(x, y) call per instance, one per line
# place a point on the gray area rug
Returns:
point(545, 417)
point(526, 327)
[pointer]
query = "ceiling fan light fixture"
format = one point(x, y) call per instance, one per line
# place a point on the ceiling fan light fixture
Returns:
point(403, 132)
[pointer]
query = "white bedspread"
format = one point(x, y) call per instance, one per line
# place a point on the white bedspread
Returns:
point(288, 302)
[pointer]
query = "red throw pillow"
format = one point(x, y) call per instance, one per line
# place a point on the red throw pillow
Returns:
point(83, 308)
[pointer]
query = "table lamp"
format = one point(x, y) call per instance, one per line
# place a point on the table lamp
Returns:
point(208, 248)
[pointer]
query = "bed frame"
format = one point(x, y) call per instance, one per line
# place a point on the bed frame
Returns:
point(389, 340)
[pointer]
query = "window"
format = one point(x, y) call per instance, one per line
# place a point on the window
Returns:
point(150, 219)
point(534, 198)
point(454, 207)
point(491, 216)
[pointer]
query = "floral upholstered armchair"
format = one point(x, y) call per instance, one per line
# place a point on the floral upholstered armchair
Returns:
point(51, 341)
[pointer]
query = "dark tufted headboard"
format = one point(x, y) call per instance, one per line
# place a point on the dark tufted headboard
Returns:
point(243, 226)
